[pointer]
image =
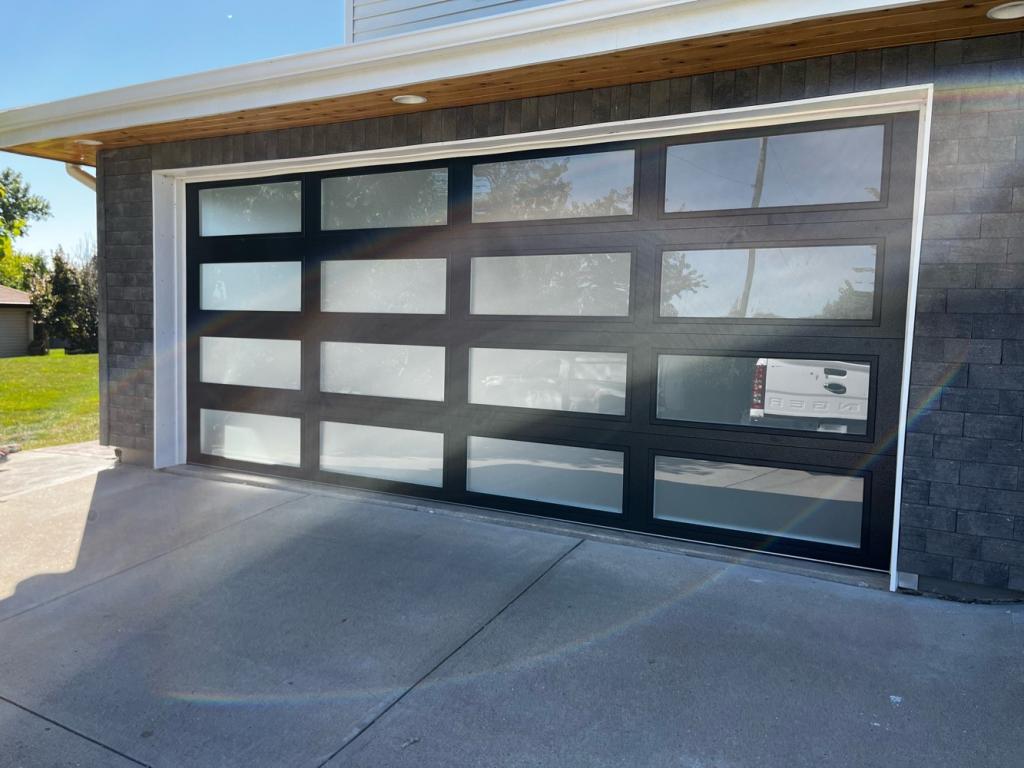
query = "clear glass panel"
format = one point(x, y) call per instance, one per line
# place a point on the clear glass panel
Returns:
point(564, 284)
point(588, 382)
point(254, 209)
point(794, 503)
point(833, 282)
point(264, 286)
point(382, 370)
point(251, 437)
point(403, 455)
point(816, 395)
point(559, 474)
point(843, 165)
point(251, 362)
point(398, 199)
point(566, 187)
point(398, 286)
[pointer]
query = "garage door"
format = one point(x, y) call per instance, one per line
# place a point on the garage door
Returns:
point(697, 336)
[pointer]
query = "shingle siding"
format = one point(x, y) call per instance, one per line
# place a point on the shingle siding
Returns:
point(963, 505)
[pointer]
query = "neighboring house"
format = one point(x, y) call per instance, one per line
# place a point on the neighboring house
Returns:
point(741, 272)
point(15, 322)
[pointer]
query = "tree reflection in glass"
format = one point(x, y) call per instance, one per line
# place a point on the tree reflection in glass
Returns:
point(416, 198)
point(842, 165)
point(251, 209)
point(835, 282)
point(566, 187)
point(564, 284)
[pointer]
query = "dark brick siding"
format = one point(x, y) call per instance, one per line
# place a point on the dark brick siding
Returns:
point(963, 509)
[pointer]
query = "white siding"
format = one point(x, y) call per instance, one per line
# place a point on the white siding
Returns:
point(15, 327)
point(379, 18)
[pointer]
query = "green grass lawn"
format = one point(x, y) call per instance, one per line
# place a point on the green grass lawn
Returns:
point(49, 400)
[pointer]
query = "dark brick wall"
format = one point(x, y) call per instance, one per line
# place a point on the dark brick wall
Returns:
point(963, 508)
point(125, 240)
point(963, 511)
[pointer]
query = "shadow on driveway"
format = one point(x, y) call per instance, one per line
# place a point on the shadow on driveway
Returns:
point(203, 623)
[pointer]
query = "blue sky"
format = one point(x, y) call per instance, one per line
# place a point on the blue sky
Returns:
point(61, 48)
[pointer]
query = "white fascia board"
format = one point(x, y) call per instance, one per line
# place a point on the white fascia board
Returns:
point(557, 32)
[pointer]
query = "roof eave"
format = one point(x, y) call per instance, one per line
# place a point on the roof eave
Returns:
point(565, 30)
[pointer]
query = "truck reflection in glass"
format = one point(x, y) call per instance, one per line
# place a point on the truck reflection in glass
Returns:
point(827, 396)
point(790, 393)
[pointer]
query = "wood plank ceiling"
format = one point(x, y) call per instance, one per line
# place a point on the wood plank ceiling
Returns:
point(931, 22)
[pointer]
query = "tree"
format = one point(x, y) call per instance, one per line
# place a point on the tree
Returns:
point(18, 270)
point(67, 301)
point(64, 290)
point(87, 321)
point(18, 207)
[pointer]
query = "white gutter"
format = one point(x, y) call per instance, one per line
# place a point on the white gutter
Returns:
point(77, 173)
point(560, 31)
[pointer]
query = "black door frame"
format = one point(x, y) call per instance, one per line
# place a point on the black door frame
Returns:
point(639, 434)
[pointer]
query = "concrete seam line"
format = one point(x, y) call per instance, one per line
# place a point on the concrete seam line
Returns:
point(171, 551)
point(360, 731)
point(79, 734)
point(55, 483)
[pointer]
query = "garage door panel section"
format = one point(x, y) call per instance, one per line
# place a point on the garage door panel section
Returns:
point(784, 173)
point(416, 285)
point(697, 336)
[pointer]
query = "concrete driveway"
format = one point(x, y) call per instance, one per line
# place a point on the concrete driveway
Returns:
point(162, 619)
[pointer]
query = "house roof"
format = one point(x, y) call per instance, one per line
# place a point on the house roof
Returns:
point(9, 297)
point(564, 46)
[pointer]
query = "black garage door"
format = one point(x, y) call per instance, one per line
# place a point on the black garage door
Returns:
point(696, 336)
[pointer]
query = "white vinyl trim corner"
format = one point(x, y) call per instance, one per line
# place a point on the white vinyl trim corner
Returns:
point(169, 329)
point(924, 132)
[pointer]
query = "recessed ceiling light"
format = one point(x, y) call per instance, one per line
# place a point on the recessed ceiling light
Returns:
point(409, 98)
point(1007, 11)
point(89, 142)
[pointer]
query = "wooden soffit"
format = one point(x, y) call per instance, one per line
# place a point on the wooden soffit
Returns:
point(922, 23)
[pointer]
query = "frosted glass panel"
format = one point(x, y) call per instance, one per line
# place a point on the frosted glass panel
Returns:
point(784, 393)
point(565, 187)
point(794, 503)
point(828, 282)
point(566, 284)
point(400, 286)
point(558, 474)
point(382, 370)
point(251, 362)
point(588, 382)
point(399, 199)
point(253, 209)
point(263, 286)
point(403, 455)
point(251, 437)
point(842, 165)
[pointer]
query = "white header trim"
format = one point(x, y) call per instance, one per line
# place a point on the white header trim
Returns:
point(906, 98)
point(557, 32)
point(169, 331)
